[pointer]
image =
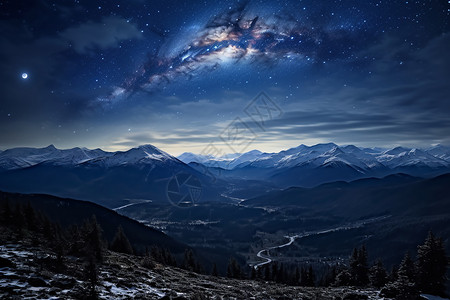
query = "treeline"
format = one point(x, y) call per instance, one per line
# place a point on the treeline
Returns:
point(83, 240)
point(86, 240)
point(424, 274)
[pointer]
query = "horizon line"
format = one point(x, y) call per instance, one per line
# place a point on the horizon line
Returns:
point(228, 153)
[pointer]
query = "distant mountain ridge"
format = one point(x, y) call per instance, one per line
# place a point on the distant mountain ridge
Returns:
point(144, 172)
point(17, 158)
point(313, 165)
point(108, 178)
point(363, 157)
point(436, 156)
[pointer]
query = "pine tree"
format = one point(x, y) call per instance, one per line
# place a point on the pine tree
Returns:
point(92, 277)
point(229, 270)
point(393, 275)
point(252, 273)
point(121, 243)
point(267, 275)
point(401, 289)
point(47, 228)
point(189, 260)
point(441, 262)
point(297, 276)
point(6, 214)
point(404, 287)
point(274, 271)
point(363, 266)
point(199, 268)
point(280, 274)
point(147, 262)
point(233, 269)
point(258, 274)
point(214, 271)
point(93, 243)
point(155, 253)
point(311, 277)
point(169, 259)
point(378, 275)
point(303, 277)
point(30, 216)
point(353, 265)
point(431, 266)
point(359, 269)
point(76, 238)
point(330, 277)
point(18, 218)
point(407, 269)
point(343, 278)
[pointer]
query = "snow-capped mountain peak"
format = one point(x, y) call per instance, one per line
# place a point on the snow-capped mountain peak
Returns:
point(142, 155)
point(317, 155)
point(18, 158)
point(440, 151)
point(396, 151)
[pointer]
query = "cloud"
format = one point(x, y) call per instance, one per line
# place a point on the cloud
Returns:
point(100, 35)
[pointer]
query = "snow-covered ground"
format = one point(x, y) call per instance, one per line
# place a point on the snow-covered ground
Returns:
point(431, 297)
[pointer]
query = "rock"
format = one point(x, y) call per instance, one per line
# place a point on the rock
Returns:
point(388, 292)
point(37, 282)
point(354, 296)
point(53, 291)
point(64, 283)
point(125, 283)
point(6, 263)
point(173, 298)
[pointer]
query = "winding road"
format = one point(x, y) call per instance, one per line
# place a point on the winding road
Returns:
point(265, 253)
point(131, 204)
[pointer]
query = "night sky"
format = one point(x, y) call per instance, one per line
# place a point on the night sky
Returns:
point(175, 74)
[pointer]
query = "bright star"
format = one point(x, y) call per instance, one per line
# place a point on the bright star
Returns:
point(24, 75)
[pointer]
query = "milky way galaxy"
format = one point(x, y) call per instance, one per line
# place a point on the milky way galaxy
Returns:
point(238, 36)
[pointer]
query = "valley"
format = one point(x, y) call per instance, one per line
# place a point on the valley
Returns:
point(243, 212)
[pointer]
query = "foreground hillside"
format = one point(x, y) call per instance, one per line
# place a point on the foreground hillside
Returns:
point(28, 271)
point(69, 212)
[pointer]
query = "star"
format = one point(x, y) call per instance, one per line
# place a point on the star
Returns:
point(24, 75)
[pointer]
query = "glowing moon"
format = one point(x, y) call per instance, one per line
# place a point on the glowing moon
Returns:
point(24, 75)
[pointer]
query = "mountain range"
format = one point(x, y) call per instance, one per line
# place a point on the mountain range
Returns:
point(313, 165)
point(147, 173)
point(106, 178)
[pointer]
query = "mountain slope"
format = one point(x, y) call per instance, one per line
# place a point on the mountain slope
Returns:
point(123, 276)
point(69, 212)
point(106, 178)
point(395, 194)
point(18, 158)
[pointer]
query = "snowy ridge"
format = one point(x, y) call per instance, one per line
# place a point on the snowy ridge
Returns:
point(325, 154)
point(437, 157)
point(18, 158)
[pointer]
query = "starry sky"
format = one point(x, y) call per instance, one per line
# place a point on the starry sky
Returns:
point(188, 75)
